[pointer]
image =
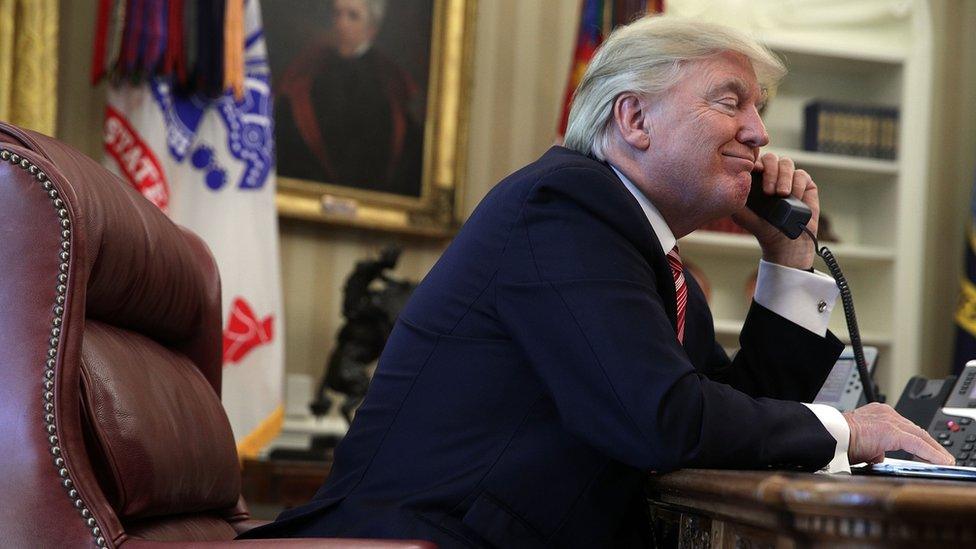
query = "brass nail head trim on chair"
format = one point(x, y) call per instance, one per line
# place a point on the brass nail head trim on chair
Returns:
point(55, 340)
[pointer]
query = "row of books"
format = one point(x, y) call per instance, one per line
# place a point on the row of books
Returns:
point(851, 129)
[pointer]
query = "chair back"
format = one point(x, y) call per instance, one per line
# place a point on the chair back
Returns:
point(110, 345)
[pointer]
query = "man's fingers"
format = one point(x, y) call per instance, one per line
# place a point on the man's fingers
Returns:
point(919, 448)
point(917, 433)
point(784, 180)
point(879, 427)
point(923, 434)
point(770, 173)
point(911, 429)
point(801, 182)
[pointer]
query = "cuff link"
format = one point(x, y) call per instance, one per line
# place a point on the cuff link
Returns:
point(822, 306)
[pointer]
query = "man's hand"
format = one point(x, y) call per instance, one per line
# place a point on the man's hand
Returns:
point(780, 177)
point(877, 428)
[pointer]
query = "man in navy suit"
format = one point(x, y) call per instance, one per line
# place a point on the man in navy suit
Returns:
point(556, 352)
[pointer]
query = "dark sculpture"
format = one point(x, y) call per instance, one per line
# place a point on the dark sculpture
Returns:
point(371, 302)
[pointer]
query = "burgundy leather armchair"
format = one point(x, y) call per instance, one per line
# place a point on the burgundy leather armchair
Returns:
point(110, 346)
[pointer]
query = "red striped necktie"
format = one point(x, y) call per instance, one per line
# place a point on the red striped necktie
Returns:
point(680, 289)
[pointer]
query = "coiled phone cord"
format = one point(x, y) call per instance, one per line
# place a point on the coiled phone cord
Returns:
point(845, 295)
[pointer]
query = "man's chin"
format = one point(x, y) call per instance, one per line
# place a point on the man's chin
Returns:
point(730, 195)
point(732, 205)
point(743, 184)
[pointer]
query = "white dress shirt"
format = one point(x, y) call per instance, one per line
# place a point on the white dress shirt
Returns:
point(793, 294)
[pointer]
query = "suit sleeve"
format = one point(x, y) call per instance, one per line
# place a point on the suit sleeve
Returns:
point(776, 358)
point(580, 300)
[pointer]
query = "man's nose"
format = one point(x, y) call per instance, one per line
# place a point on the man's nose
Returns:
point(753, 131)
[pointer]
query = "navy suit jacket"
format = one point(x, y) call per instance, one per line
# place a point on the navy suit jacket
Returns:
point(535, 377)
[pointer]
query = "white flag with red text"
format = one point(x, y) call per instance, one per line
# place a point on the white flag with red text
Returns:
point(209, 164)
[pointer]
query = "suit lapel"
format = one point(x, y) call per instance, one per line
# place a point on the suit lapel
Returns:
point(663, 277)
point(650, 248)
point(607, 201)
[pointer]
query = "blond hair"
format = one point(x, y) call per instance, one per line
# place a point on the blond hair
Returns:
point(647, 57)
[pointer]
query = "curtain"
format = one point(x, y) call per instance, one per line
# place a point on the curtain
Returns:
point(29, 63)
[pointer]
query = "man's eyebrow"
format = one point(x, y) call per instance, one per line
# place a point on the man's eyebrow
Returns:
point(735, 85)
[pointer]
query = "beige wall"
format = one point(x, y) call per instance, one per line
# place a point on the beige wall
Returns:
point(80, 107)
point(522, 55)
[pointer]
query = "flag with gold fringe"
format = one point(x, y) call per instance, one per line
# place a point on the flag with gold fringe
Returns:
point(597, 19)
point(189, 124)
point(965, 348)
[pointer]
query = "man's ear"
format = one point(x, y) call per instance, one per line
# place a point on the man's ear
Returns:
point(629, 113)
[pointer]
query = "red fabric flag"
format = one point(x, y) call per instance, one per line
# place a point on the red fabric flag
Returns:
point(597, 19)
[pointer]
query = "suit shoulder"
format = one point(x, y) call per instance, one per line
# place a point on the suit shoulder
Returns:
point(564, 180)
point(561, 164)
point(558, 168)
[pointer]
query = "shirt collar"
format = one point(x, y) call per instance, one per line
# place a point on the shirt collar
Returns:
point(660, 227)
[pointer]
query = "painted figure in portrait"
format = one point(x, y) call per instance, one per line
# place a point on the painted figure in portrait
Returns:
point(350, 104)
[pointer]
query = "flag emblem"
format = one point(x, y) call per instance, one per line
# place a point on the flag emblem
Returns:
point(244, 331)
point(135, 159)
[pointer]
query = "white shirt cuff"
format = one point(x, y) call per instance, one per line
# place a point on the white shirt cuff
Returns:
point(802, 297)
point(837, 426)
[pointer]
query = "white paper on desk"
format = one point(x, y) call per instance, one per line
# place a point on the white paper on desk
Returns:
point(905, 468)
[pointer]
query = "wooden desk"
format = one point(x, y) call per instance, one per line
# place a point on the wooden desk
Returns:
point(699, 508)
point(753, 509)
point(696, 508)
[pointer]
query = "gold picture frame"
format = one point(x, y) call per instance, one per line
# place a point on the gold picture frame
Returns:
point(434, 211)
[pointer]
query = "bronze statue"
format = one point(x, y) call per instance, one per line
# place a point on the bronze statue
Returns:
point(371, 302)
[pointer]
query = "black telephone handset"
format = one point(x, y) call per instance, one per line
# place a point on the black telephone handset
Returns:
point(789, 214)
point(946, 408)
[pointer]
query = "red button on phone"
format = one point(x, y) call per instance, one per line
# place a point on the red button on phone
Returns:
point(952, 425)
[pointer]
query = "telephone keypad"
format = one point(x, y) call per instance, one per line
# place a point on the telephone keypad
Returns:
point(958, 434)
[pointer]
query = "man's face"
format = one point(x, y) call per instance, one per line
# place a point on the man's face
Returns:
point(352, 26)
point(705, 135)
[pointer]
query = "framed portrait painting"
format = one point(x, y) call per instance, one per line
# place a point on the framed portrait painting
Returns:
point(370, 110)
